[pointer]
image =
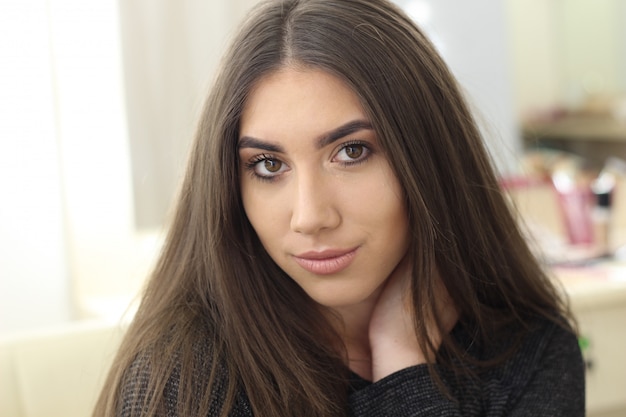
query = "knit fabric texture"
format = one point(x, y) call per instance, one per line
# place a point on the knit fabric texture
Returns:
point(544, 377)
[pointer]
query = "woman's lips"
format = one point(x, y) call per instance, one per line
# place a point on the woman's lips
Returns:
point(326, 262)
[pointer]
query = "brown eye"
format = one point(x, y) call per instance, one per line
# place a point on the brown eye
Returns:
point(266, 167)
point(354, 151)
point(272, 165)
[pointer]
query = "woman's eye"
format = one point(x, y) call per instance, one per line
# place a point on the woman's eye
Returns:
point(272, 165)
point(265, 167)
point(352, 152)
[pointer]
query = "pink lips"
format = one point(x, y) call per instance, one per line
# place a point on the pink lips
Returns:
point(326, 262)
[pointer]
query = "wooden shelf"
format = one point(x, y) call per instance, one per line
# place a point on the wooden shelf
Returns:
point(586, 128)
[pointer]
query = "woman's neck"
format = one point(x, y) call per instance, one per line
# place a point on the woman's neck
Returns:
point(353, 327)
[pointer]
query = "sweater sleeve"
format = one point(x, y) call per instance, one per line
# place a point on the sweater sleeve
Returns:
point(544, 378)
point(408, 392)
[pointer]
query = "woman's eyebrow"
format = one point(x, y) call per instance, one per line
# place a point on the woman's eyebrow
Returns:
point(250, 142)
point(342, 131)
point(324, 140)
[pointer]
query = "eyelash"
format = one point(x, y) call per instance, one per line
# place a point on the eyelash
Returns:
point(251, 165)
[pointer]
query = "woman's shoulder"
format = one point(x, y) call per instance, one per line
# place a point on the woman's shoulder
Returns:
point(523, 341)
point(166, 375)
point(518, 349)
point(540, 341)
point(536, 364)
point(543, 369)
point(549, 347)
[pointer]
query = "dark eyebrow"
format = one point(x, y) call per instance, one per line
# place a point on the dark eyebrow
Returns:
point(343, 131)
point(250, 142)
point(324, 140)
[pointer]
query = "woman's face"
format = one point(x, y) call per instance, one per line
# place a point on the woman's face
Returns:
point(318, 189)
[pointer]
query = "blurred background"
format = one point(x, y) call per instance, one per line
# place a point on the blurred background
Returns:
point(99, 102)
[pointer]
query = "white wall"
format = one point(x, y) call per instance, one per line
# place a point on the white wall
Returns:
point(534, 52)
point(566, 51)
point(589, 48)
point(621, 52)
point(473, 38)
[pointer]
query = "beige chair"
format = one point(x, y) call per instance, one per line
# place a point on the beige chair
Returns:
point(56, 372)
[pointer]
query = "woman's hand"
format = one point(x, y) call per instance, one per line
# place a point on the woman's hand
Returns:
point(393, 341)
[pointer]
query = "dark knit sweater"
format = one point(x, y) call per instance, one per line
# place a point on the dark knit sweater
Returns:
point(544, 377)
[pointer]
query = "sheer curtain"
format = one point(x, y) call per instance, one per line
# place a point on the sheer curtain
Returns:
point(98, 102)
point(33, 273)
point(167, 54)
point(170, 52)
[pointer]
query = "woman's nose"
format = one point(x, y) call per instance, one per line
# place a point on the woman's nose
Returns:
point(314, 205)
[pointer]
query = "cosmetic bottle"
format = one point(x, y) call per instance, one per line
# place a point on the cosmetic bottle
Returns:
point(602, 188)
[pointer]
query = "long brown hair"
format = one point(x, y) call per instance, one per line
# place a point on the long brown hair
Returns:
point(218, 312)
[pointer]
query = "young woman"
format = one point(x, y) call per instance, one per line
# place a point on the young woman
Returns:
point(341, 245)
